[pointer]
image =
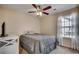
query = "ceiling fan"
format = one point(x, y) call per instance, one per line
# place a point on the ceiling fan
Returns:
point(39, 11)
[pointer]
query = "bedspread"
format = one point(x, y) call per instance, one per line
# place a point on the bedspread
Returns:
point(38, 43)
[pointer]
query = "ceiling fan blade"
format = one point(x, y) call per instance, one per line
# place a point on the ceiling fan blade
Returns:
point(48, 7)
point(46, 13)
point(31, 11)
point(34, 5)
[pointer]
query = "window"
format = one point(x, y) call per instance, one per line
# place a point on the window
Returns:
point(66, 27)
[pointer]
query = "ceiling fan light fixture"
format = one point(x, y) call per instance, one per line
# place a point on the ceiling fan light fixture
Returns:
point(39, 13)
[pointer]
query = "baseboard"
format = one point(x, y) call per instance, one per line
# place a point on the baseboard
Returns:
point(69, 48)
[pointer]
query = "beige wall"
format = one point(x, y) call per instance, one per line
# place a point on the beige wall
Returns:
point(49, 25)
point(17, 23)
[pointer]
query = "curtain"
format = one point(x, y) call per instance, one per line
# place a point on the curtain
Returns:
point(75, 32)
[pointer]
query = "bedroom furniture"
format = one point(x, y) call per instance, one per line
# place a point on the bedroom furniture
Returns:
point(37, 44)
point(9, 44)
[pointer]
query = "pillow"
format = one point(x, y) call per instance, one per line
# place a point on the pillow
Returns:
point(28, 32)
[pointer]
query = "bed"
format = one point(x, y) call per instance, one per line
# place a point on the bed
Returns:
point(37, 44)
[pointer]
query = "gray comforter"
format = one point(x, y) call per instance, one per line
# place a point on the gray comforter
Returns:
point(38, 43)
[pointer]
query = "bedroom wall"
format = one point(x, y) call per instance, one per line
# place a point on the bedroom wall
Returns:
point(18, 23)
point(49, 25)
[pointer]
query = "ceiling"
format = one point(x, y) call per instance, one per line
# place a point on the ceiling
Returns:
point(27, 7)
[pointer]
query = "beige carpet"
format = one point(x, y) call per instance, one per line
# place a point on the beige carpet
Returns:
point(63, 50)
point(59, 50)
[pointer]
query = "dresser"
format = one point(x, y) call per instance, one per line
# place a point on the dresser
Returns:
point(9, 44)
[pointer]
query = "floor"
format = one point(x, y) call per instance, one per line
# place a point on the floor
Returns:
point(63, 50)
point(60, 50)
